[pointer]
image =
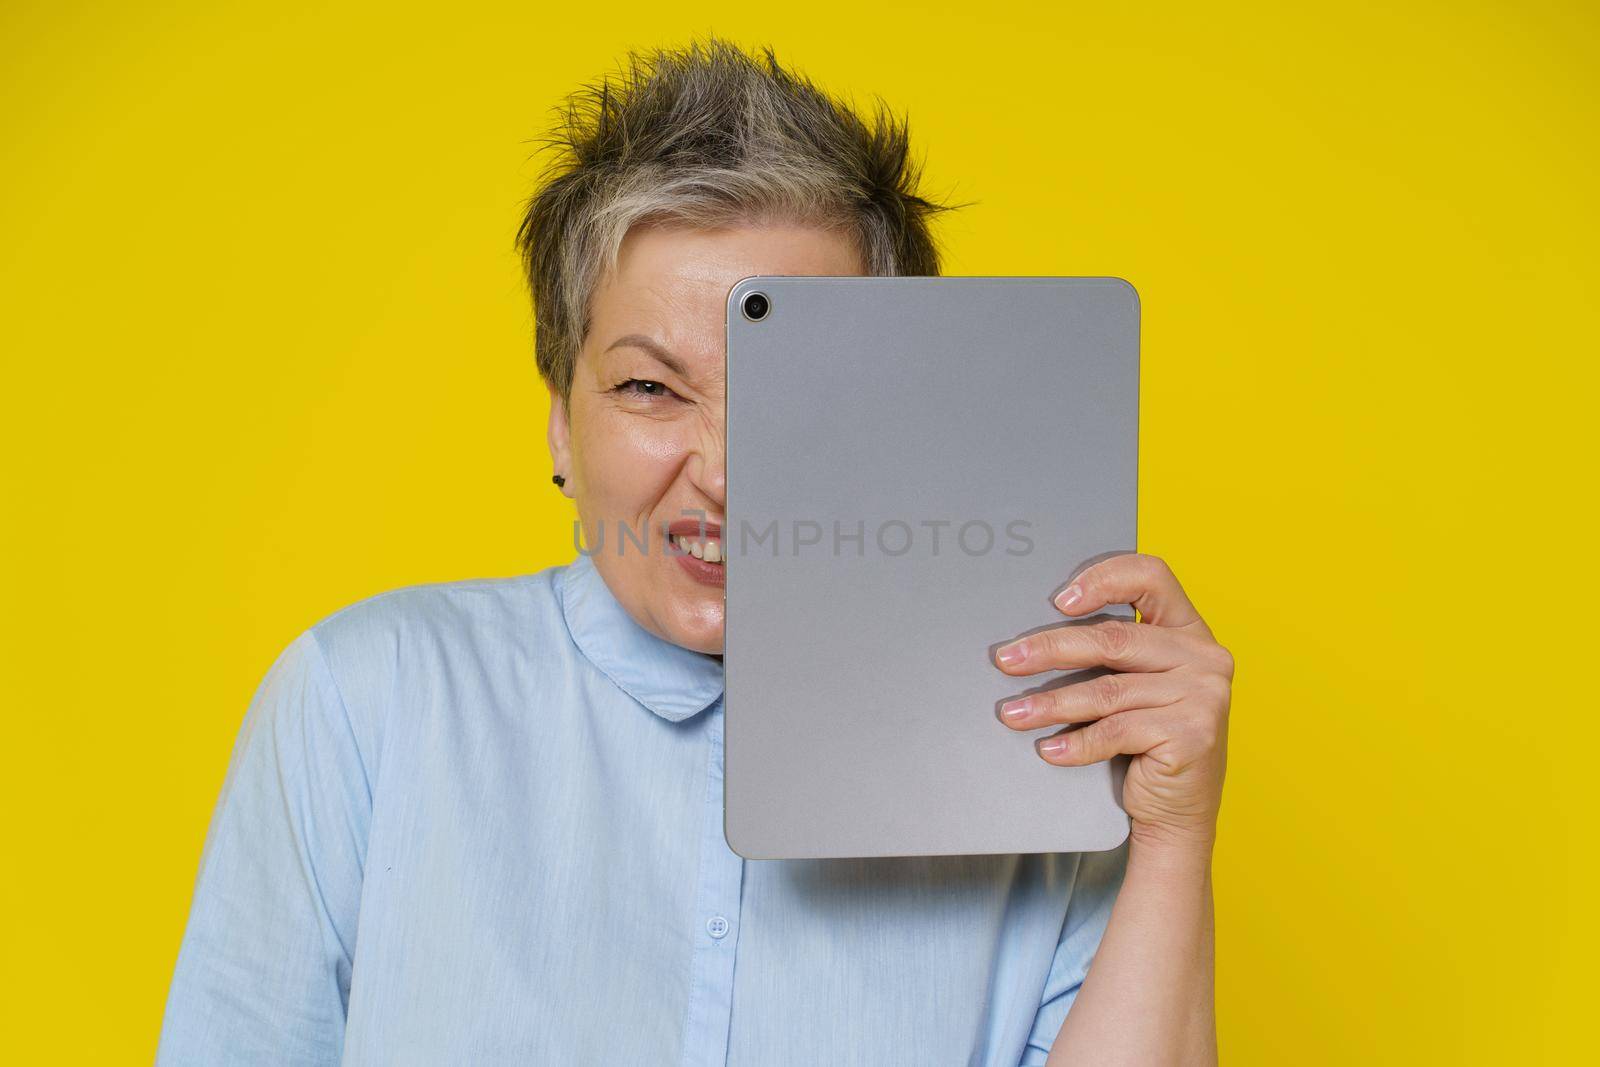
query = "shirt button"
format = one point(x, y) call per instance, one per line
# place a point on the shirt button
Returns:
point(717, 927)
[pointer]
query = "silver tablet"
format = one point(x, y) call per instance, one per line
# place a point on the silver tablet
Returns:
point(915, 466)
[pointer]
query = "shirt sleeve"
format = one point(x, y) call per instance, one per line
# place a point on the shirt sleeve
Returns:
point(1094, 891)
point(263, 971)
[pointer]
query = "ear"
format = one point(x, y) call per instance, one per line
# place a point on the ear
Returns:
point(559, 435)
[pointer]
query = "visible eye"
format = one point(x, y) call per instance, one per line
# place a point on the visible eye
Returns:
point(642, 387)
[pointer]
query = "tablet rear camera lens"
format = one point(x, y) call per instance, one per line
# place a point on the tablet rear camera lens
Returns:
point(756, 306)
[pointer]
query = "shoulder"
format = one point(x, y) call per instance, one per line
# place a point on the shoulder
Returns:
point(441, 644)
point(525, 610)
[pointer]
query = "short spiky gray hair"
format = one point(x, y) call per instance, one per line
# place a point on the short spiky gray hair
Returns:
point(707, 134)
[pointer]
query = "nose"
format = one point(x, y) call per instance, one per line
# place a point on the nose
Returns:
point(708, 465)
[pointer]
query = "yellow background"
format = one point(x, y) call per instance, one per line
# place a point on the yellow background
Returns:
point(266, 353)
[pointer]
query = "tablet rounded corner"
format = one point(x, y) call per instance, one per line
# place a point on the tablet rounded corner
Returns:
point(1120, 833)
point(741, 851)
point(1132, 290)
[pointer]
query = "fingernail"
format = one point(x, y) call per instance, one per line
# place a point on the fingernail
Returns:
point(1052, 746)
point(1012, 654)
point(1069, 596)
point(1012, 710)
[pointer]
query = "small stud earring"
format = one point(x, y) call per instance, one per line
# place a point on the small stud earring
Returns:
point(559, 480)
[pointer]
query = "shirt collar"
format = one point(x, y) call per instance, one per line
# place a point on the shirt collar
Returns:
point(670, 680)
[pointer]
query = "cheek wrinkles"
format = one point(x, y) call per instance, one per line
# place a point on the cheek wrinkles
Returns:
point(710, 473)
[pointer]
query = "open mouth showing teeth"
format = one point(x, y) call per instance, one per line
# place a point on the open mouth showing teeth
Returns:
point(708, 549)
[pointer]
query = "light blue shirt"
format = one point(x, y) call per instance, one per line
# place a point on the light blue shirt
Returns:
point(481, 823)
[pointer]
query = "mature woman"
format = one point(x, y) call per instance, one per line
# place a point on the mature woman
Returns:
point(480, 822)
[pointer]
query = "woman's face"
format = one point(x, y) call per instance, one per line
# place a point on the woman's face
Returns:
point(640, 438)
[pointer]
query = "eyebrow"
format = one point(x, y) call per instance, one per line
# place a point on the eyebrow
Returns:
point(639, 340)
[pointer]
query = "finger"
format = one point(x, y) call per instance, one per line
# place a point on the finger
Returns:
point(1146, 582)
point(1124, 734)
point(1115, 643)
point(1092, 698)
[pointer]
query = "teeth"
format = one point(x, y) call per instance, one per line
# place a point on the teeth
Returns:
point(710, 551)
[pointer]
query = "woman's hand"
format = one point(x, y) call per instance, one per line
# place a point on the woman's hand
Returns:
point(1165, 702)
